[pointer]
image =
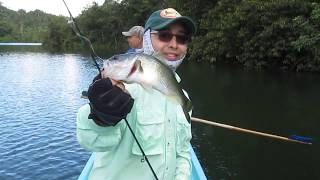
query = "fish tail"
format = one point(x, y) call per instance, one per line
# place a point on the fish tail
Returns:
point(186, 113)
point(189, 106)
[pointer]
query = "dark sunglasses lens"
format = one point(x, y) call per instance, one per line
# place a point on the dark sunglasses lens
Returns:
point(183, 39)
point(165, 36)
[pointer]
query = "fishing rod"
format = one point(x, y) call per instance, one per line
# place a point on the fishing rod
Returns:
point(76, 29)
point(293, 138)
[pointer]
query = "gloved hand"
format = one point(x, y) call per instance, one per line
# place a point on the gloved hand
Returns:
point(109, 104)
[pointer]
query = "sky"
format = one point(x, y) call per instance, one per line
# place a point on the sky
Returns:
point(55, 7)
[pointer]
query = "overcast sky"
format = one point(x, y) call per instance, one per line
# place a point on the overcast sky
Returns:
point(50, 6)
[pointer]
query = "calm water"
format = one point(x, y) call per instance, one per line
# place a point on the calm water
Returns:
point(40, 95)
point(278, 103)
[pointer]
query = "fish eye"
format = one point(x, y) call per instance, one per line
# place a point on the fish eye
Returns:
point(115, 58)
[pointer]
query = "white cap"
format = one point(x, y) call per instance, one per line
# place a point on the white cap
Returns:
point(135, 30)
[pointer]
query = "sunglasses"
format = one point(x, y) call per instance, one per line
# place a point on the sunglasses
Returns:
point(166, 36)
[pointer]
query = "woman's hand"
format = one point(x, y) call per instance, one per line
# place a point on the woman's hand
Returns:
point(109, 101)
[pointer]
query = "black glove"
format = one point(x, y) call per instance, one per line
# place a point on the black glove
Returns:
point(109, 104)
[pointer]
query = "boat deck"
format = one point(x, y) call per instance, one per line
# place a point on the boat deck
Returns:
point(197, 171)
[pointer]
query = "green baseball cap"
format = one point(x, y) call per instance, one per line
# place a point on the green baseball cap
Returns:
point(162, 19)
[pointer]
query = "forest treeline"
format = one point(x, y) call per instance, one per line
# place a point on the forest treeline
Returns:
point(274, 34)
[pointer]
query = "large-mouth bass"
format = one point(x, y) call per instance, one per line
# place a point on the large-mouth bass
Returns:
point(149, 72)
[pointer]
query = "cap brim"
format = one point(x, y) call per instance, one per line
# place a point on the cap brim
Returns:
point(186, 21)
point(126, 34)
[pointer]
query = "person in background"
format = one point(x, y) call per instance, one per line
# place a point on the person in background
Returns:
point(134, 37)
point(158, 123)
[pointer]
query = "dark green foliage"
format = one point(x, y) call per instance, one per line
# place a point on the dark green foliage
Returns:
point(59, 36)
point(5, 29)
point(308, 42)
point(278, 34)
point(274, 34)
point(21, 26)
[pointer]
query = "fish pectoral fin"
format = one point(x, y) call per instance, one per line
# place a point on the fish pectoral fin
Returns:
point(138, 66)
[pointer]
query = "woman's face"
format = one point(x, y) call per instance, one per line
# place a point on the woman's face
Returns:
point(170, 48)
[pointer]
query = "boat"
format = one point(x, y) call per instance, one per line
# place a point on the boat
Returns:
point(197, 171)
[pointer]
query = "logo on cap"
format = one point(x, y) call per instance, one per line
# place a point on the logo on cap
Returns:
point(169, 13)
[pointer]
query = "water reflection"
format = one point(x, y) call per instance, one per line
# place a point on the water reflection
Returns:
point(30, 69)
point(71, 69)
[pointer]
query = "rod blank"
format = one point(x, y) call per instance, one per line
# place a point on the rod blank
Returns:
point(251, 131)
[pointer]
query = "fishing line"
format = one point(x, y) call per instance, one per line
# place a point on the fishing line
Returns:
point(76, 29)
point(143, 154)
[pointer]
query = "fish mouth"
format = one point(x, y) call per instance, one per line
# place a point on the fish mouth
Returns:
point(106, 64)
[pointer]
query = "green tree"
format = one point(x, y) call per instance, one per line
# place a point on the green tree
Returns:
point(5, 28)
point(308, 42)
point(254, 33)
point(59, 36)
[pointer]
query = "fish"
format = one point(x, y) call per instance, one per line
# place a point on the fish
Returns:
point(150, 72)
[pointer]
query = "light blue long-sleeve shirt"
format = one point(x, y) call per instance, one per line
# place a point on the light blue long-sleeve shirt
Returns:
point(161, 129)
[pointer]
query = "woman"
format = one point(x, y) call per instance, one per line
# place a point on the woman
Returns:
point(158, 123)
